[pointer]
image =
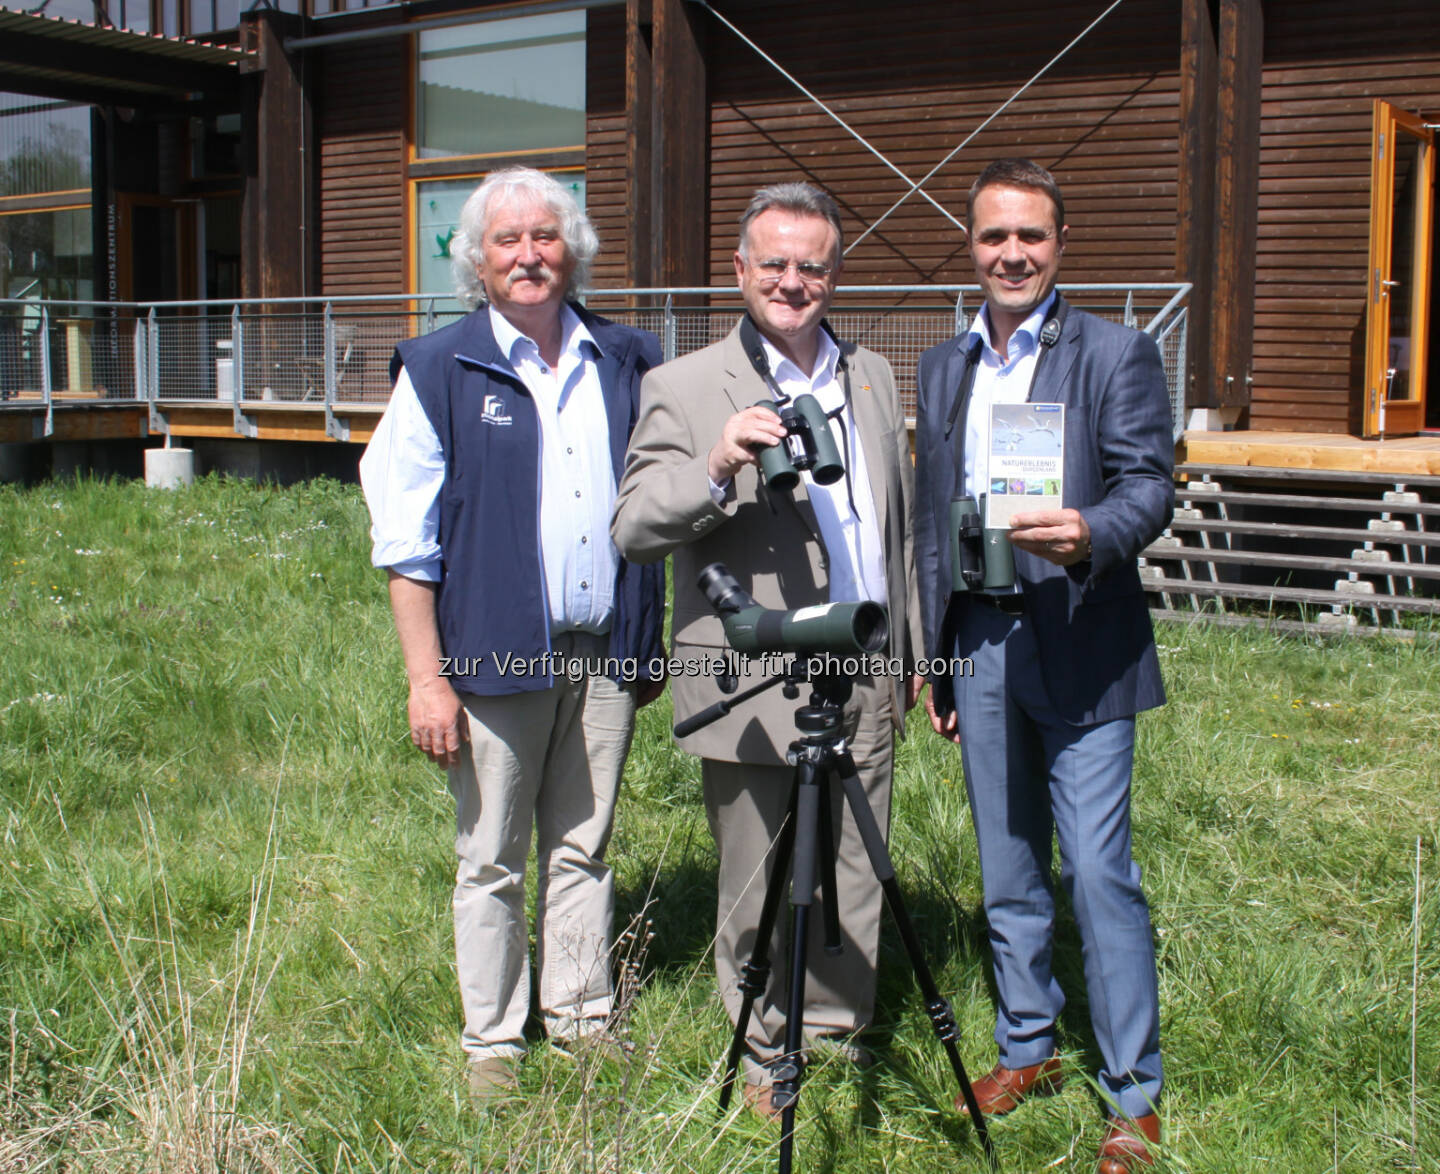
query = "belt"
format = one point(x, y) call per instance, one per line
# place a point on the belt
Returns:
point(1011, 605)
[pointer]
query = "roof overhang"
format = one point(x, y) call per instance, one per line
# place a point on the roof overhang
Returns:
point(77, 62)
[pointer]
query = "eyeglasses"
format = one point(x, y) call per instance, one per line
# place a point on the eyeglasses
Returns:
point(773, 270)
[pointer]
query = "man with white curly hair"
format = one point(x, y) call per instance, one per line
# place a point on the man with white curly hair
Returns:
point(528, 642)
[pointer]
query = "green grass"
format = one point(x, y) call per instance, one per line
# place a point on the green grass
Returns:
point(225, 882)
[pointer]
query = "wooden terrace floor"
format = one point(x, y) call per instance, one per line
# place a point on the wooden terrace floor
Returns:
point(1413, 456)
point(85, 418)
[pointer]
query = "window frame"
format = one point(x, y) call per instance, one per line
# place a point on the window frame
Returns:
point(419, 171)
point(1381, 415)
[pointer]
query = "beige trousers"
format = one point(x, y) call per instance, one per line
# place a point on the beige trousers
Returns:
point(550, 760)
point(746, 807)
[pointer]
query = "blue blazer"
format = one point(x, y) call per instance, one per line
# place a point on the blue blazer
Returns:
point(1091, 622)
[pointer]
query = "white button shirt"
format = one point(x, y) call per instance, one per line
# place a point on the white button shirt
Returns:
point(852, 540)
point(999, 379)
point(403, 470)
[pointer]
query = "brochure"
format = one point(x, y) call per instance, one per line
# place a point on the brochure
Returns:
point(1027, 460)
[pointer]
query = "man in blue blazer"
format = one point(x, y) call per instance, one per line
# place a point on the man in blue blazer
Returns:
point(1047, 676)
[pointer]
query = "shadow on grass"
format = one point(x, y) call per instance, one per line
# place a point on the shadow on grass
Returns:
point(678, 901)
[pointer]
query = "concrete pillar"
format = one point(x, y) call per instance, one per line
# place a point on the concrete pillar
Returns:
point(169, 468)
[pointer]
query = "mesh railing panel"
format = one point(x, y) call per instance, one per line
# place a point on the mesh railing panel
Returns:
point(901, 333)
point(184, 356)
point(1173, 337)
point(89, 351)
point(110, 341)
point(282, 355)
point(363, 345)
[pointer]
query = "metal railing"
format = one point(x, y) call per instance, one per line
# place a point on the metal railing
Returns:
point(335, 352)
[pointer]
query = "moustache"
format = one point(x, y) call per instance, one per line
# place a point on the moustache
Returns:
point(541, 272)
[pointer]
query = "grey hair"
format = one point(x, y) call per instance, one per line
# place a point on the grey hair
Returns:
point(467, 248)
point(800, 199)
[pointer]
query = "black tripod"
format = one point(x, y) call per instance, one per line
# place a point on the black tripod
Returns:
point(807, 838)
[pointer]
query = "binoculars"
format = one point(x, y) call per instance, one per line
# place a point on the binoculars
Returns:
point(981, 558)
point(808, 444)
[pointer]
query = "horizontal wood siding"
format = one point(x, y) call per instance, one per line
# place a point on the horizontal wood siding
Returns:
point(1325, 61)
point(915, 80)
point(607, 183)
point(360, 123)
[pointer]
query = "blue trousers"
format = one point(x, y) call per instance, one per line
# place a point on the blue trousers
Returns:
point(1029, 774)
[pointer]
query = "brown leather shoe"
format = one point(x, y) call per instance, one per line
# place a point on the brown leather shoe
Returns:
point(1127, 1144)
point(1002, 1089)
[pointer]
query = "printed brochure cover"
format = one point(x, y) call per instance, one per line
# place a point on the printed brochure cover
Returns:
point(1027, 460)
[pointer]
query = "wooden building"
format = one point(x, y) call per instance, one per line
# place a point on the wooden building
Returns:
point(1275, 153)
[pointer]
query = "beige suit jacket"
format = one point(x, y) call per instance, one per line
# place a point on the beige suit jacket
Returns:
point(770, 541)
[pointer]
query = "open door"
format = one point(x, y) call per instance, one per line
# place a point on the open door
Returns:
point(1402, 184)
point(156, 251)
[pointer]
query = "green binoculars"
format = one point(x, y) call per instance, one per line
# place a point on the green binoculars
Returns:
point(981, 558)
point(841, 629)
point(808, 444)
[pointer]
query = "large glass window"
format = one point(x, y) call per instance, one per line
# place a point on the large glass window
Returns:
point(130, 14)
point(437, 219)
point(123, 14)
point(46, 254)
point(44, 146)
point(45, 241)
point(208, 16)
point(502, 85)
point(66, 9)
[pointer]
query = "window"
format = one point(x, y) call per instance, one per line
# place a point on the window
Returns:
point(123, 14)
point(206, 16)
point(501, 86)
point(488, 94)
point(44, 147)
point(45, 238)
point(46, 255)
point(65, 9)
point(437, 217)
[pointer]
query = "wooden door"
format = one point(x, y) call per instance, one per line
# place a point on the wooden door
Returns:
point(157, 252)
point(1398, 278)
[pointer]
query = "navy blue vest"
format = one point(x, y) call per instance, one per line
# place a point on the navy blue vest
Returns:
point(491, 603)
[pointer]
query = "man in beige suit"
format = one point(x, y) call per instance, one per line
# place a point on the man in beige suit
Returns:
point(692, 487)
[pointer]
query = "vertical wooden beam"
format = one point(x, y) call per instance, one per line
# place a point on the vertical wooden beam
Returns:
point(1195, 203)
point(680, 156)
point(277, 222)
point(1237, 196)
point(639, 198)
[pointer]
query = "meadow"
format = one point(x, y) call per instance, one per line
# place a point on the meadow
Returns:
point(225, 893)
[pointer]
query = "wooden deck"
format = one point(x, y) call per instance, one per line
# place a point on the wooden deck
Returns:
point(1414, 456)
point(86, 418)
point(78, 417)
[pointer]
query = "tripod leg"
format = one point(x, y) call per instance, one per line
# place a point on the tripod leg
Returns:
point(829, 906)
point(942, 1018)
point(790, 1068)
point(756, 970)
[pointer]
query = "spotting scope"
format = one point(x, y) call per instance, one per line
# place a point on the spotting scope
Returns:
point(840, 629)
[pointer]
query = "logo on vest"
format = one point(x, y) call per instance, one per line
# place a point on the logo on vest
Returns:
point(495, 412)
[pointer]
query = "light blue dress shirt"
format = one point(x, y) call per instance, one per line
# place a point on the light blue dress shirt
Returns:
point(403, 471)
point(999, 379)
